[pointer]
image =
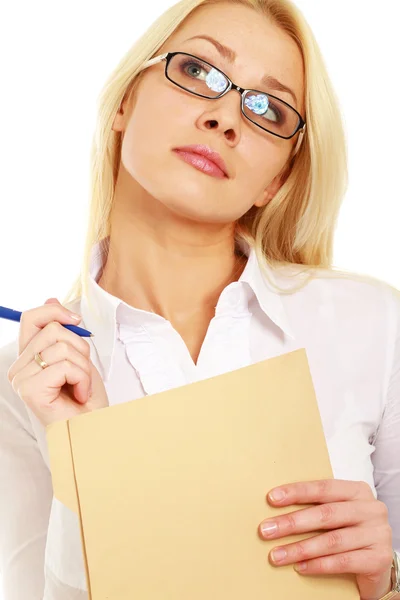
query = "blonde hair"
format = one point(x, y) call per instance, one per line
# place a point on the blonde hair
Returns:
point(296, 228)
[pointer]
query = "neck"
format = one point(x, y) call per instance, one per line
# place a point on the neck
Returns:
point(163, 263)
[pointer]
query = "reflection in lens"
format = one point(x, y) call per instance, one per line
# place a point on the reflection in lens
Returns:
point(216, 81)
point(270, 113)
point(258, 104)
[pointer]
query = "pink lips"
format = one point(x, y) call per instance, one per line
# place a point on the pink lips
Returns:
point(204, 159)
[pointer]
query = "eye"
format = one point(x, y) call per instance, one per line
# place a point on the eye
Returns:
point(262, 106)
point(207, 74)
point(194, 70)
point(274, 114)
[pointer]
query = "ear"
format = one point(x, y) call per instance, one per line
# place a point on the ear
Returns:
point(270, 191)
point(121, 118)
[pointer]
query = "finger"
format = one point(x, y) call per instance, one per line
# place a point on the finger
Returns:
point(59, 352)
point(333, 542)
point(48, 336)
point(324, 516)
point(357, 562)
point(33, 320)
point(323, 490)
point(32, 390)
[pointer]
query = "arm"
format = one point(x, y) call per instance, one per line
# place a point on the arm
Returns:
point(25, 498)
point(386, 457)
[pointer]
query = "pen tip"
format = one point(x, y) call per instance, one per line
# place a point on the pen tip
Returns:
point(92, 335)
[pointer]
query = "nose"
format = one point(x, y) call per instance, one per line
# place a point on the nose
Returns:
point(223, 115)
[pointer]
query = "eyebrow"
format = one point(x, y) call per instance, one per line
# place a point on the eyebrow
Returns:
point(230, 56)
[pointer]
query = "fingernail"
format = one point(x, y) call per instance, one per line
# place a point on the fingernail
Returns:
point(269, 528)
point(75, 316)
point(277, 495)
point(302, 566)
point(278, 554)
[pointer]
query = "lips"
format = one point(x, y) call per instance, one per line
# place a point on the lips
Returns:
point(207, 153)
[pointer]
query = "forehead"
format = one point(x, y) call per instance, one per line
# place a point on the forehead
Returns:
point(260, 45)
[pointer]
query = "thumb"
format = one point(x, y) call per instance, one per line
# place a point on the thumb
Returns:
point(52, 301)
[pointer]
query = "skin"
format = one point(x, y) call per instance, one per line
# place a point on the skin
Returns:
point(172, 251)
point(173, 247)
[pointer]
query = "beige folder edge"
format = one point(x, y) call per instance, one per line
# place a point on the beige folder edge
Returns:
point(170, 488)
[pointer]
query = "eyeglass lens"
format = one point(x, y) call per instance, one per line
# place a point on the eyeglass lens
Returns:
point(198, 77)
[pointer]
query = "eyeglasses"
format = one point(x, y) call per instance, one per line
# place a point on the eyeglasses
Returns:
point(200, 78)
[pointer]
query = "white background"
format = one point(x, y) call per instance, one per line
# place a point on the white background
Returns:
point(54, 58)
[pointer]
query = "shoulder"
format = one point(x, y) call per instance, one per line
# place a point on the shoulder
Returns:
point(360, 295)
point(349, 308)
point(352, 290)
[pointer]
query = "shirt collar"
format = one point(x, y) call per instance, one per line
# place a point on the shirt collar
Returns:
point(269, 300)
point(101, 311)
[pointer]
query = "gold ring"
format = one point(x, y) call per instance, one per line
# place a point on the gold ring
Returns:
point(40, 361)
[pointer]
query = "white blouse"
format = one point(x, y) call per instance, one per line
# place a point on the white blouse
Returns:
point(350, 329)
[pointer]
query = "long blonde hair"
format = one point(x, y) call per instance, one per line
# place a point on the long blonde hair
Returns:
point(296, 228)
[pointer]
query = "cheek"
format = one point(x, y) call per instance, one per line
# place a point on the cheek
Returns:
point(261, 164)
point(157, 124)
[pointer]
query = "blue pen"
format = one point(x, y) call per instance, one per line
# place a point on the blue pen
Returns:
point(15, 315)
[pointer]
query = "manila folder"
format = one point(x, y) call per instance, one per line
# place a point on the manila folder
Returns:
point(170, 488)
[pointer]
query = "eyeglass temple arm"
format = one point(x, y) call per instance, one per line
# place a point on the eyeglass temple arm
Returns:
point(300, 139)
point(154, 61)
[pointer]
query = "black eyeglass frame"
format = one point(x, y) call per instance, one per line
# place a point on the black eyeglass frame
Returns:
point(167, 57)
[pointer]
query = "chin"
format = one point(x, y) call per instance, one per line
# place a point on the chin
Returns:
point(192, 207)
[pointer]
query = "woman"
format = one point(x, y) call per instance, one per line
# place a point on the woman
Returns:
point(195, 265)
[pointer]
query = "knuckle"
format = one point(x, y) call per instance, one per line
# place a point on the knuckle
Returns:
point(18, 388)
point(334, 540)
point(53, 328)
point(86, 349)
point(382, 562)
point(23, 391)
point(382, 534)
point(10, 373)
point(301, 489)
point(290, 523)
point(14, 383)
point(24, 317)
point(382, 508)
point(63, 348)
point(84, 367)
point(365, 489)
point(344, 561)
point(326, 513)
point(387, 533)
point(387, 558)
point(323, 486)
point(301, 552)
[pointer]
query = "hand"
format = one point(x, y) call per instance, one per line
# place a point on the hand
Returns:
point(71, 384)
point(360, 540)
